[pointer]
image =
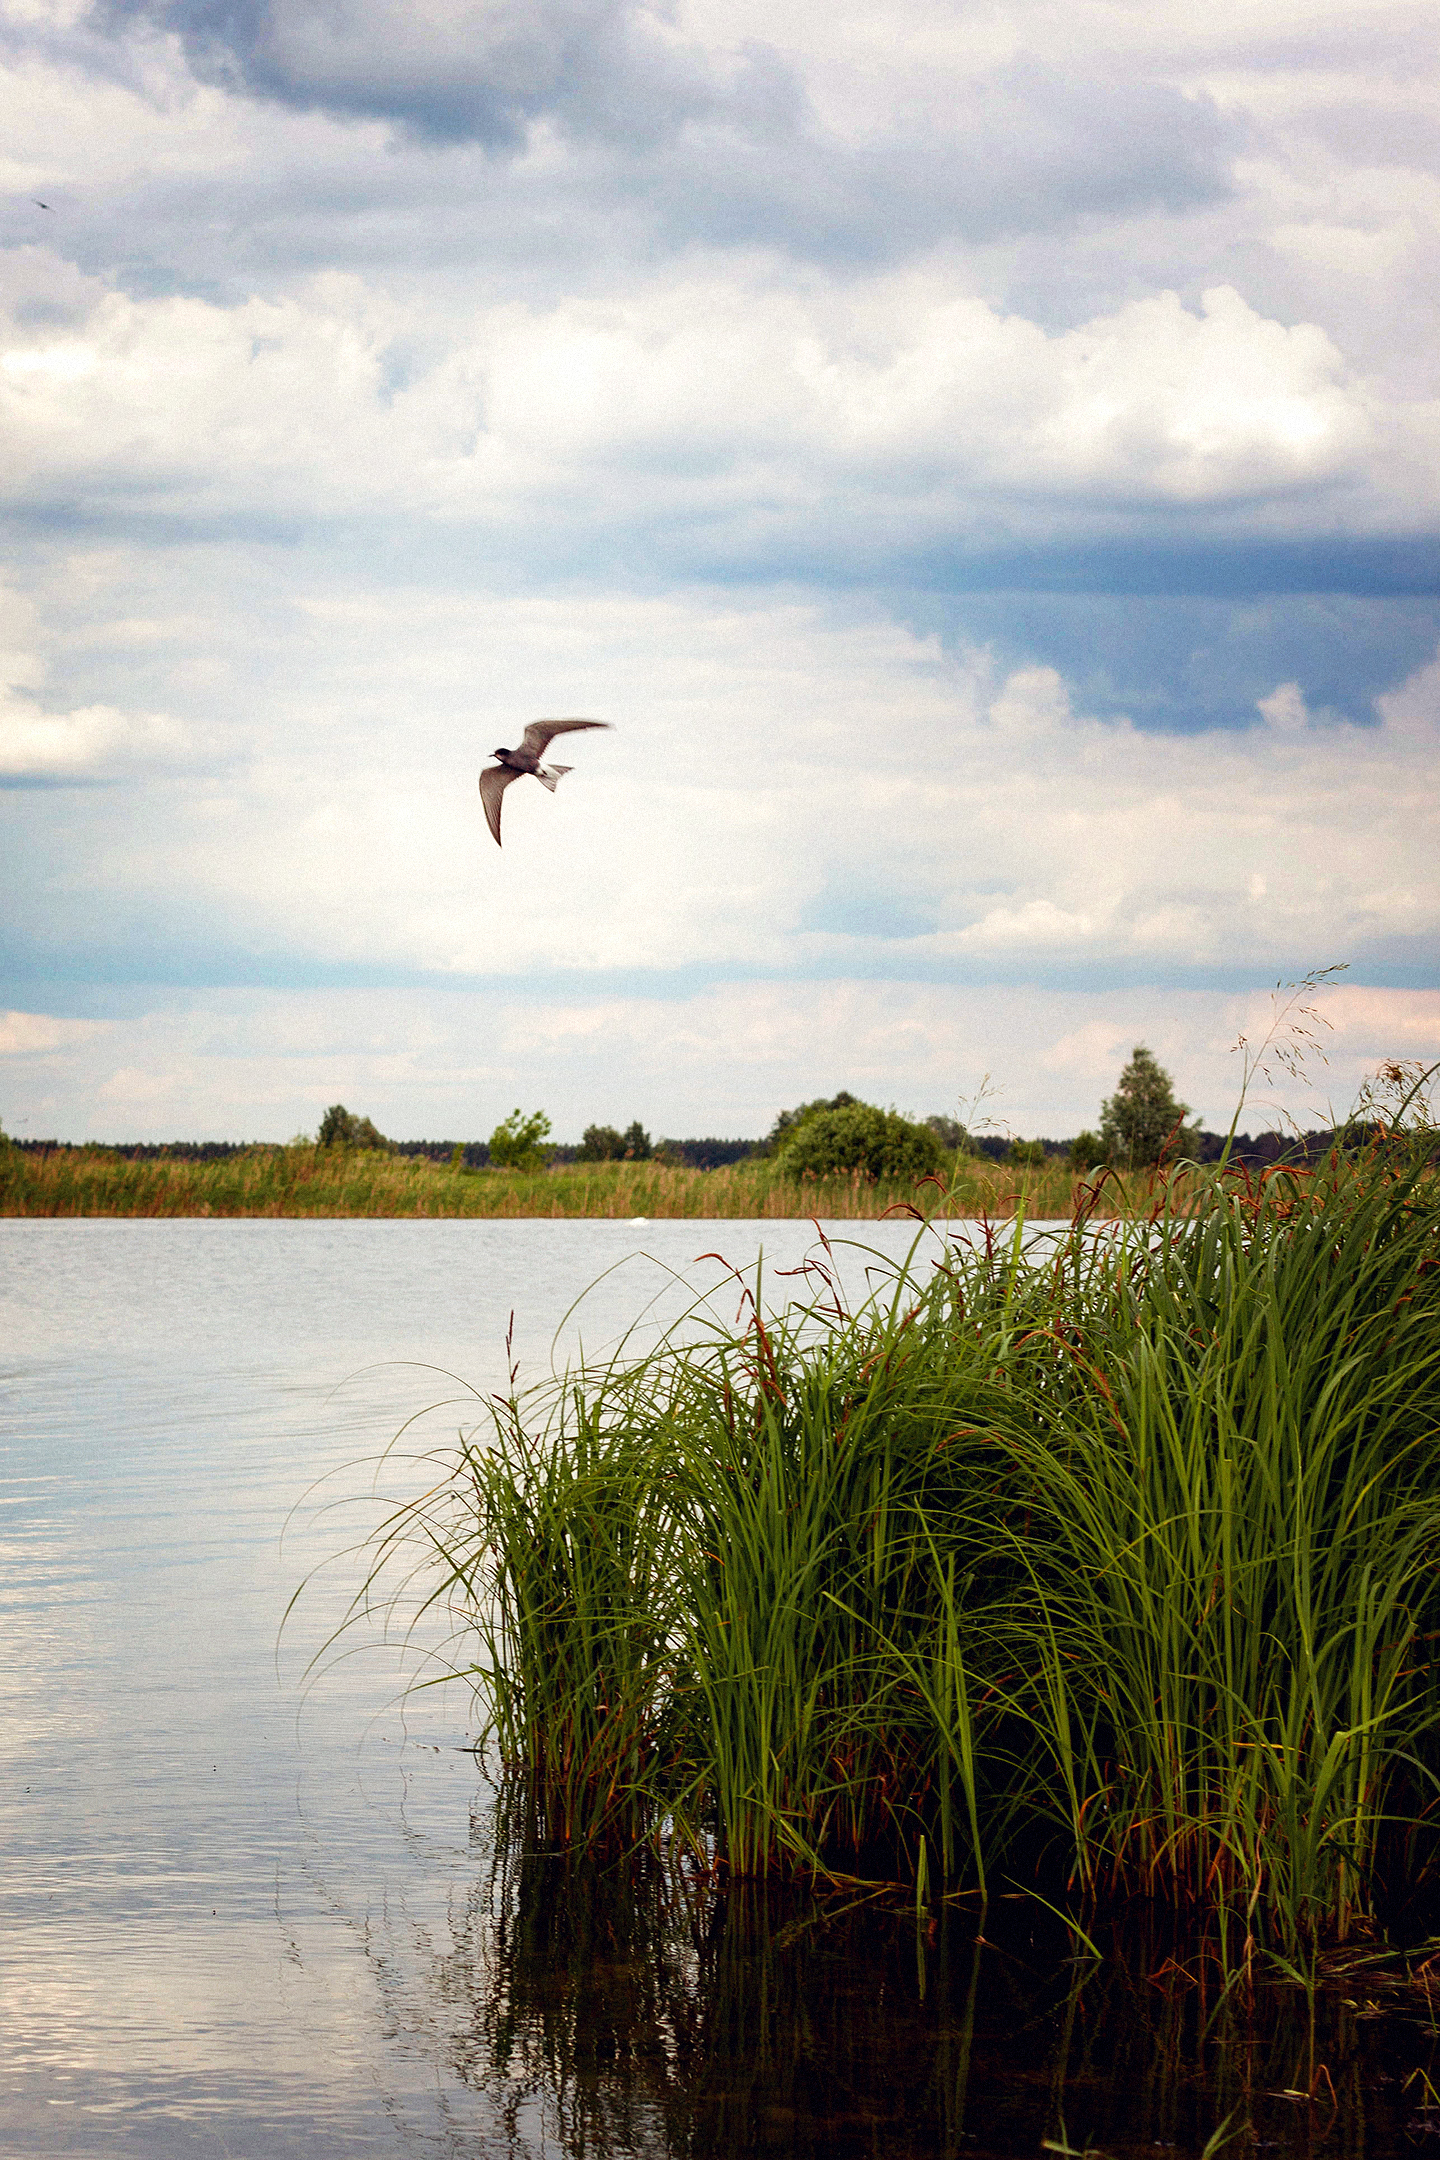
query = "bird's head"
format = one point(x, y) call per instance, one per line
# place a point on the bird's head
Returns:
point(501, 752)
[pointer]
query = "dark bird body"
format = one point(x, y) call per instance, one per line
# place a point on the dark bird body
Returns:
point(514, 764)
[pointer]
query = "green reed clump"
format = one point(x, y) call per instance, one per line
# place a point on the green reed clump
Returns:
point(578, 1623)
point(1233, 1486)
point(809, 1466)
point(706, 1589)
point(1112, 1566)
point(556, 1550)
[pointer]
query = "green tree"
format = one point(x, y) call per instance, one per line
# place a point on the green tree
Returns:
point(1086, 1150)
point(857, 1136)
point(601, 1143)
point(952, 1135)
point(517, 1142)
point(789, 1121)
point(1029, 1154)
point(341, 1128)
point(1143, 1120)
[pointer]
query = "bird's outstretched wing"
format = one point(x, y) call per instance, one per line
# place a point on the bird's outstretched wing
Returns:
point(493, 783)
point(539, 732)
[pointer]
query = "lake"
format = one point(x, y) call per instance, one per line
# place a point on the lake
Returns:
point(247, 1915)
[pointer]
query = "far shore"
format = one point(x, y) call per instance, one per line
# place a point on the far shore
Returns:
point(304, 1180)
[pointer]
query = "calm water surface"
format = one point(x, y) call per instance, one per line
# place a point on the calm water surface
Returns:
point(243, 1917)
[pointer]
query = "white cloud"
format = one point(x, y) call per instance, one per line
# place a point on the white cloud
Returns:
point(1375, 1024)
point(26, 1034)
point(1284, 708)
point(1155, 404)
point(92, 741)
point(743, 402)
point(664, 377)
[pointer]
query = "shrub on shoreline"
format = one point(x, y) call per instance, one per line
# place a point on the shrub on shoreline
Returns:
point(880, 1143)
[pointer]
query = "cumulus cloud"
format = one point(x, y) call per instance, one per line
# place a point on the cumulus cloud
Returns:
point(1155, 406)
point(1023, 148)
point(470, 72)
point(1373, 1024)
point(93, 742)
point(27, 1034)
point(829, 135)
point(709, 417)
point(712, 127)
point(39, 746)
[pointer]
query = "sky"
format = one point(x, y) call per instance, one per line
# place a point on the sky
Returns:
point(982, 460)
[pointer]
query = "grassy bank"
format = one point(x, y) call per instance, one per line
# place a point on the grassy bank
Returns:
point(1117, 1576)
point(293, 1181)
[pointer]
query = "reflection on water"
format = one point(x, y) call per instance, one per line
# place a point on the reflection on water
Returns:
point(605, 2015)
point(238, 1918)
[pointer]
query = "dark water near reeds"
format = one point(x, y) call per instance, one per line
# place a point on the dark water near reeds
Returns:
point(237, 1918)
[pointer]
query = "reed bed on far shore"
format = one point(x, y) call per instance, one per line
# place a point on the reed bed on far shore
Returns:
point(306, 1180)
point(1110, 1571)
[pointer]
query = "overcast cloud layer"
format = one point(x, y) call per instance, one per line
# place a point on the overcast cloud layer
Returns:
point(984, 463)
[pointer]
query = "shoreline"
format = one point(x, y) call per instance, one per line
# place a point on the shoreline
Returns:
point(297, 1182)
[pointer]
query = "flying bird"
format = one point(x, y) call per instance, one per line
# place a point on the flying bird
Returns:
point(513, 763)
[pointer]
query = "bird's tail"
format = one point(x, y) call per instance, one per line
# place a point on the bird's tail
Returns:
point(548, 775)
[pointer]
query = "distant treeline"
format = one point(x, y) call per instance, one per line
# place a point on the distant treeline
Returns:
point(148, 1150)
point(694, 1154)
point(473, 1154)
point(1208, 1147)
point(709, 1154)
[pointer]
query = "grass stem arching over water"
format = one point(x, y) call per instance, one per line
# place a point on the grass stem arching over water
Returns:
point(1111, 1570)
